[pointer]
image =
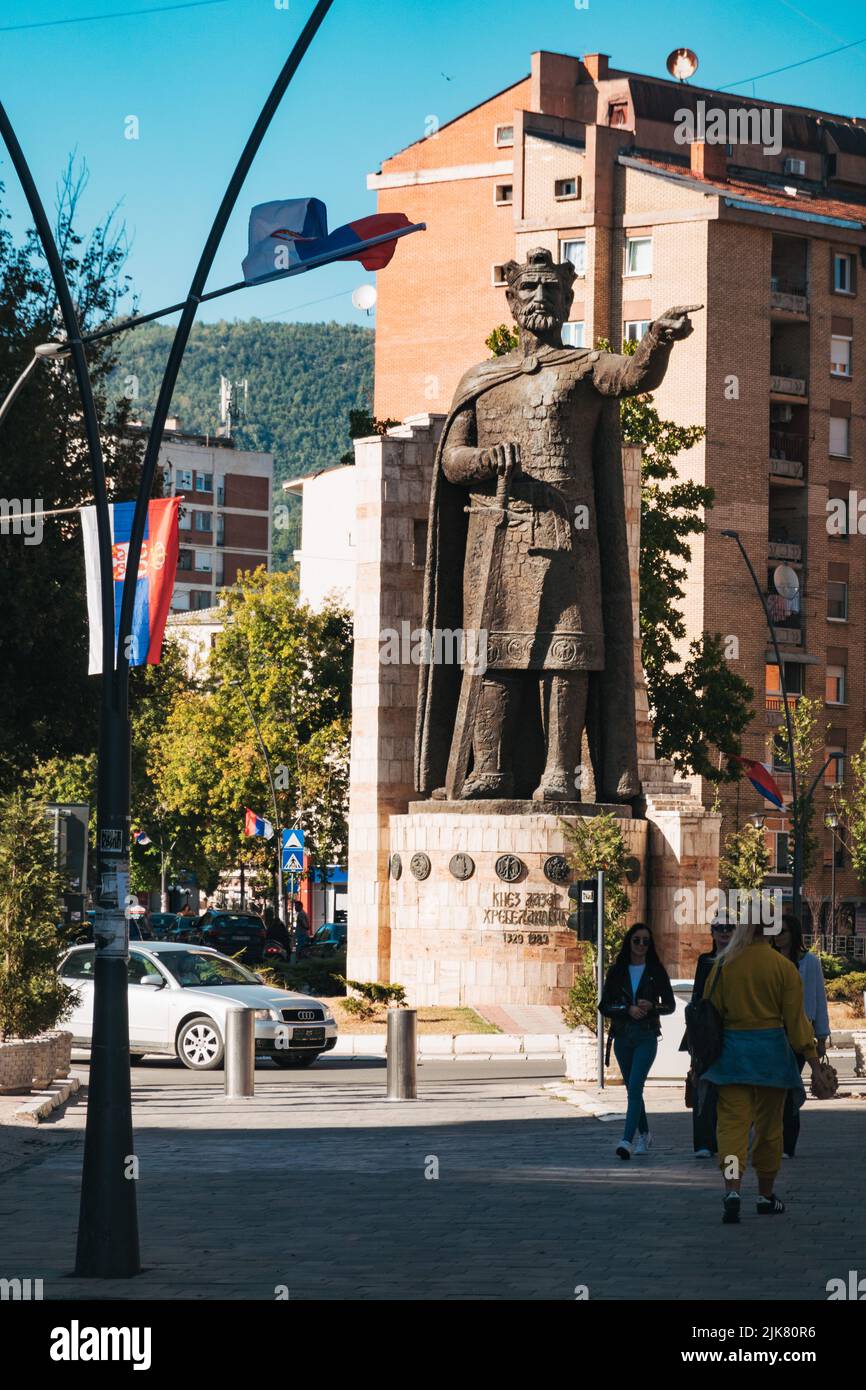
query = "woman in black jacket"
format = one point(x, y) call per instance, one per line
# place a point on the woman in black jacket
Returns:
point(637, 992)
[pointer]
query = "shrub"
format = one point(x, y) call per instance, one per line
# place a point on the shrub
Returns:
point(596, 843)
point(375, 994)
point(32, 997)
point(848, 989)
point(313, 976)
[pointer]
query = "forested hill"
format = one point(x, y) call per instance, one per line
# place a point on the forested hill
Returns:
point(304, 378)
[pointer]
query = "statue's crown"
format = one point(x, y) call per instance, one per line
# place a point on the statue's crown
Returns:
point(539, 260)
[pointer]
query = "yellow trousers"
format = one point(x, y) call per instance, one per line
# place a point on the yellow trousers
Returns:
point(741, 1107)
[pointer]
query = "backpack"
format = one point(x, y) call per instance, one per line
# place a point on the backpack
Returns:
point(704, 1030)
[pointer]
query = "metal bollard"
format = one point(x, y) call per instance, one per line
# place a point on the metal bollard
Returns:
point(240, 1054)
point(402, 1053)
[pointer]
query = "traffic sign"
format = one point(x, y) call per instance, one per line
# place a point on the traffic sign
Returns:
point(293, 865)
point(293, 839)
point(293, 851)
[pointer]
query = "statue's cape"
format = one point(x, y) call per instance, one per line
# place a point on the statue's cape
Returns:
point(611, 690)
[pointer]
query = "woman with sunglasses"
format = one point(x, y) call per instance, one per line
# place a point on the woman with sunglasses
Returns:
point(704, 1108)
point(637, 992)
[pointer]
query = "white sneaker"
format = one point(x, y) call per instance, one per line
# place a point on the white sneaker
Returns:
point(624, 1149)
point(644, 1144)
point(703, 1153)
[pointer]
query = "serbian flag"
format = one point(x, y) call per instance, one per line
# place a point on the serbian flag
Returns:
point(156, 572)
point(141, 838)
point(760, 779)
point(257, 825)
point(288, 233)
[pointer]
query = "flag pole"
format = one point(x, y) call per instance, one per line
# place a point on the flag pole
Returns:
point(313, 263)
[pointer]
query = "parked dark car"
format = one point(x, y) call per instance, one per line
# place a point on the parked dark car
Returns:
point(161, 924)
point(239, 934)
point(328, 940)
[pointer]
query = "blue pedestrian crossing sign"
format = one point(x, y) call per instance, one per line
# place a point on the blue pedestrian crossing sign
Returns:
point(293, 851)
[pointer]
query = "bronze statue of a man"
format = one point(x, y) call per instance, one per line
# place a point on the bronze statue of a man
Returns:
point(527, 548)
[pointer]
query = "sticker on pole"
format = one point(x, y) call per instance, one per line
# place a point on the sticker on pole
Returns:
point(111, 841)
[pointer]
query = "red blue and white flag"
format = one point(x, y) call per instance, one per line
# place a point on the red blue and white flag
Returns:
point(288, 233)
point(257, 825)
point(141, 838)
point(761, 780)
point(156, 572)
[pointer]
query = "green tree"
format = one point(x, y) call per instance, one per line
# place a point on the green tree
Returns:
point(502, 340)
point(362, 425)
point(49, 702)
point(746, 859)
point(850, 804)
point(809, 737)
point(596, 843)
point(32, 997)
point(295, 667)
point(697, 705)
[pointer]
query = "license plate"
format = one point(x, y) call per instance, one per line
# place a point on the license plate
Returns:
point(304, 1036)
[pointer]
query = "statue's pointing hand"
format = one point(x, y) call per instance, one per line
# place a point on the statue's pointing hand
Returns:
point(675, 323)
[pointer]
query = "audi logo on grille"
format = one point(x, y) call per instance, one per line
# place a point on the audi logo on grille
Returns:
point(304, 1014)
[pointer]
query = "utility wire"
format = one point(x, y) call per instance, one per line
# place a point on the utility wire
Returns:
point(115, 14)
point(788, 66)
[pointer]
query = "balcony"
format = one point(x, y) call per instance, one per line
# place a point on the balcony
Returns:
point(787, 454)
point(784, 548)
point(789, 297)
point(775, 714)
point(783, 384)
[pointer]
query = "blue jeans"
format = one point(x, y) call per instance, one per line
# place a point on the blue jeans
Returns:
point(635, 1051)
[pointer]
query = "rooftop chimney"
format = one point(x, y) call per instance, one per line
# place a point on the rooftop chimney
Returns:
point(596, 65)
point(708, 161)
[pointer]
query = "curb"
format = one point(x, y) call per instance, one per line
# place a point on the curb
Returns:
point(39, 1106)
point(475, 1047)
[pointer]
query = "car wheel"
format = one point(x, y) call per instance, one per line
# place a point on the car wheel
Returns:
point(294, 1059)
point(200, 1044)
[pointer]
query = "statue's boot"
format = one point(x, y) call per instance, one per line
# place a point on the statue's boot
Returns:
point(491, 774)
point(563, 712)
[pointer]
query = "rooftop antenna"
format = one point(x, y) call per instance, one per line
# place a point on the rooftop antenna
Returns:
point(230, 403)
point(682, 64)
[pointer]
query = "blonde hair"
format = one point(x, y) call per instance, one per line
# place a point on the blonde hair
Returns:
point(744, 934)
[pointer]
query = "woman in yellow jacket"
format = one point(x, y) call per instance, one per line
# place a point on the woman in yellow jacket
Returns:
point(759, 995)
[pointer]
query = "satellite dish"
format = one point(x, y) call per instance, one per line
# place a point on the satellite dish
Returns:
point(787, 581)
point(682, 64)
point(364, 297)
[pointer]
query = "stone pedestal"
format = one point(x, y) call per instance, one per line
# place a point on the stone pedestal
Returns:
point(479, 901)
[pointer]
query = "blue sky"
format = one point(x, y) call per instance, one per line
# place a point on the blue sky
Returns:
point(196, 77)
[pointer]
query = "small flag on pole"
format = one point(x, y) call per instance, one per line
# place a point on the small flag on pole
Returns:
point(285, 234)
point(156, 571)
point(761, 780)
point(141, 838)
point(257, 825)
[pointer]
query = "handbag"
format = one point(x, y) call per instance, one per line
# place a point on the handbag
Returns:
point(825, 1086)
point(704, 1030)
point(690, 1090)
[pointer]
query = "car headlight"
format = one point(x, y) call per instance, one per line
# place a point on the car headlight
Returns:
point(330, 1022)
point(268, 1014)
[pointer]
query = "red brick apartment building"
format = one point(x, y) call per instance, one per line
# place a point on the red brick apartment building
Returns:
point(584, 159)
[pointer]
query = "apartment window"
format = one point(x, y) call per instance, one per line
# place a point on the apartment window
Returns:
point(834, 773)
point(220, 494)
point(504, 135)
point(840, 356)
point(782, 854)
point(793, 679)
point(837, 601)
point(200, 599)
point(634, 329)
point(566, 188)
point(575, 252)
point(184, 520)
point(499, 275)
point(503, 194)
point(203, 561)
point(202, 521)
point(572, 334)
point(220, 529)
point(180, 600)
point(834, 685)
point(839, 436)
point(843, 272)
point(638, 255)
point(617, 113)
point(204, 482)
point(184, 479)
point(185, 560)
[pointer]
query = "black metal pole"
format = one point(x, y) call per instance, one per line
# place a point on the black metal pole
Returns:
point(795, 801)
point(108, 1230)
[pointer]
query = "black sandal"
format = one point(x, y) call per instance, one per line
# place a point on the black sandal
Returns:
point(770, 1206)
point(731, 1209)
